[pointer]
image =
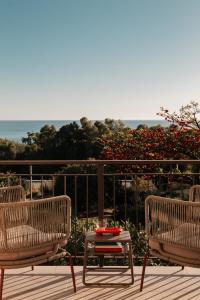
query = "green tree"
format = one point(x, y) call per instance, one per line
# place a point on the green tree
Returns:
point(8, 149)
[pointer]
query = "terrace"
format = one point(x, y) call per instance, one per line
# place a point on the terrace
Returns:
point(50, 283)
point(108, 191)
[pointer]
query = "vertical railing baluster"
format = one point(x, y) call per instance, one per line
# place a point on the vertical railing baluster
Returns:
point(193, 179)
point(87, 202)
point(125, 202)
point(159, 183)
point(170, 185)
point(42, 192)
point(65, 185)
point(20, 180)
point(114, 199)
point(30, 181)
point(100, 181)
point(8, 181)
point(136, 199)
point(75, 213)
point(136, 202)
point(53, 186)
point(182, 194)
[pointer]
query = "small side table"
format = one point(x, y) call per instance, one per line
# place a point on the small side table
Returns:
point(92, 238)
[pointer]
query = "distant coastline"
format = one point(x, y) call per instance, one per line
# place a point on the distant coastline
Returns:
point(17, 129)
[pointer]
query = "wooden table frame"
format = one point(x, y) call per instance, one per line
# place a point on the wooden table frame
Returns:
point(92, 238)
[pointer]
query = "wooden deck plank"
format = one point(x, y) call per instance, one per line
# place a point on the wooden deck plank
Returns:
point(54, 283)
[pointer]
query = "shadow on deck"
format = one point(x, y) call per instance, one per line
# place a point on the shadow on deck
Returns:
point(54, 283)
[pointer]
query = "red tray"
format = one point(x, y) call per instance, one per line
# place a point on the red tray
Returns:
point(108, 230)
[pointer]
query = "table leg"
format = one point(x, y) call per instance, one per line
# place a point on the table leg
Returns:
point(101, 261)
point(131, 262)
point(85, 261)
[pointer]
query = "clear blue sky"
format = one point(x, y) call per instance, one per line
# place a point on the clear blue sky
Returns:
point(64, 59)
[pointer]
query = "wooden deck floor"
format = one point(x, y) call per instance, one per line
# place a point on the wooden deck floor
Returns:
point(54, 283)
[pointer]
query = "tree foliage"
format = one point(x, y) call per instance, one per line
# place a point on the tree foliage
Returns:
point(187, 117)
point(10, 150)
point(154, 143)
point(71, 141)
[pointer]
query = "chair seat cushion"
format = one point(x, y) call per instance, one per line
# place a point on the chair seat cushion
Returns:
point(25, 241)
point(183, 242)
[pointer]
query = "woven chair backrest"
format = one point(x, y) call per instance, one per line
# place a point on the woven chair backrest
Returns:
point(12, 194)
point(165, 215)
point(34, 223)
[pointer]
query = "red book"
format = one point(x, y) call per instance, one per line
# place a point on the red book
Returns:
point(108, 247)
point(108, 230)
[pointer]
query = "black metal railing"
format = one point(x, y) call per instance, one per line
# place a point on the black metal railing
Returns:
point(103, 188)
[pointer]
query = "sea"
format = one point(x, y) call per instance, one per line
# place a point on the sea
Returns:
point(16, 130)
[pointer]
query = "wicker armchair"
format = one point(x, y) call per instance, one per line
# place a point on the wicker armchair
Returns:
point(12, 194)
point(34, 232)
point(173, 227)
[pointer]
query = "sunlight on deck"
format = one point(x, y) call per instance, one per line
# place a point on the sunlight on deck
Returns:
point(54, 283)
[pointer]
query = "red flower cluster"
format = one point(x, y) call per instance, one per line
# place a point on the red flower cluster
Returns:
point(153, 143)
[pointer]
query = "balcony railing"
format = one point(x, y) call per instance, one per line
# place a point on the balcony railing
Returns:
point(103, 187)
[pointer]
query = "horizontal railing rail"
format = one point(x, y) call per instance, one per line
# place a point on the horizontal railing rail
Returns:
point(96, 162)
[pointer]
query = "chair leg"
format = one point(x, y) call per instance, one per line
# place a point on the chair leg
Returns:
point(72, 271)
point(143, 269)
point(182, 267)
point(1, 288)
point(32, 268)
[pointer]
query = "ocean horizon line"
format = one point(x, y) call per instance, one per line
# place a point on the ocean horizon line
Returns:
point(41, 120)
